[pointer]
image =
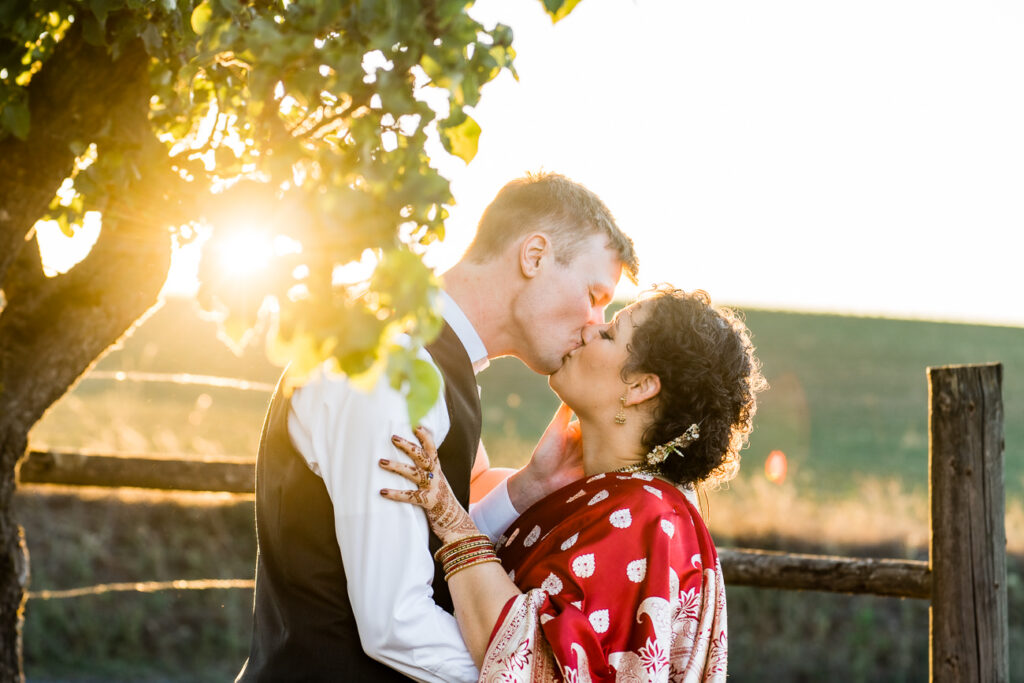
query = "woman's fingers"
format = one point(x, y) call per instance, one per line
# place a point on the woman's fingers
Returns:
point(427, 441)
point(415, 497)
point(424, 455)
point(410, 472)
point(563, 415)
point(412, 450)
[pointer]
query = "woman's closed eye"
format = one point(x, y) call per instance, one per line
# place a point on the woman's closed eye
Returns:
point(605, 335)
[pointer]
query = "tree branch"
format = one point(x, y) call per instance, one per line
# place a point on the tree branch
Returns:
point(70, 99)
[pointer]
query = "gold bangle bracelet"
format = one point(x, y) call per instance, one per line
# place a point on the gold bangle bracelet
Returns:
point(447, 566)
point(441, 557)
point(470, 541)
point(455, 571)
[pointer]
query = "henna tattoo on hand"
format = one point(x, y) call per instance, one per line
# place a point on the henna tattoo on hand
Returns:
point(449, 520)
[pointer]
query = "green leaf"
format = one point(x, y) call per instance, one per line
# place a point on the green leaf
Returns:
point(65, 227)
point(559, 9)
point(100, 9)
point(424, 387)
point(152, 38)
point(462, 140)
point(92, 31)
point(201, 16)
point(403, 282)
point(15, 118)
point(437, 73)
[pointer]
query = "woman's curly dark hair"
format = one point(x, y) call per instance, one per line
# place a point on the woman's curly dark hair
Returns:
point(709, 376)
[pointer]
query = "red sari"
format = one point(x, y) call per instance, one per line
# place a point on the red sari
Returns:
point(622, 583)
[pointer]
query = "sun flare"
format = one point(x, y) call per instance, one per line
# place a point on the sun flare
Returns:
point(244, 254)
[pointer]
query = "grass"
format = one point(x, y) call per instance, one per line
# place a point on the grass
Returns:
point(93, 536)
point(848, 406)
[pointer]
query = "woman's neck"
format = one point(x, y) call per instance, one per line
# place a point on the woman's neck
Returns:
point(608, 447)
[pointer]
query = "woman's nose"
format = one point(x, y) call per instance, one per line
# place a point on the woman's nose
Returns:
point(590, 332)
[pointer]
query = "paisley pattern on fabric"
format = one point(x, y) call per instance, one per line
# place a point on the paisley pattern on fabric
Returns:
point(624, 584)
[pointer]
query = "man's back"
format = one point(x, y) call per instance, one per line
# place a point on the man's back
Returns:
point(304, 626)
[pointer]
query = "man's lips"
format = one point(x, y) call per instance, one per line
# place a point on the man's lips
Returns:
point(579, 343)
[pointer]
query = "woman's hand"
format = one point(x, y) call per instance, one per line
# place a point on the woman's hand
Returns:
point(448, 520)
point(558, 455)
point(556, 462)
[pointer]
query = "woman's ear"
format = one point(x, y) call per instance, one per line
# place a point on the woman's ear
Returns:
point(642, 388)
point(533, 250)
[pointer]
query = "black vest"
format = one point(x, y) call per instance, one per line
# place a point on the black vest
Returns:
point(303, 628)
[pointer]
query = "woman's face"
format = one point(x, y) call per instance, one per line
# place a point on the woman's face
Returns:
point(590, 379)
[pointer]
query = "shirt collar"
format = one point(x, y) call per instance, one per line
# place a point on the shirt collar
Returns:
point(464, 330)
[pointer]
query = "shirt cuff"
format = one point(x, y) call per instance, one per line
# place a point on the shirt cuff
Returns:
point(494, 512)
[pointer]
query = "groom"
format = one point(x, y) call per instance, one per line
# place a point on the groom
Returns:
point(346, 589)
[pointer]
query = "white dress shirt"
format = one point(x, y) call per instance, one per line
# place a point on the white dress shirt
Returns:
point(342, 432)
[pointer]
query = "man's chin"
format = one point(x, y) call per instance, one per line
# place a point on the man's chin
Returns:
point(543, 366)
point(552, 369)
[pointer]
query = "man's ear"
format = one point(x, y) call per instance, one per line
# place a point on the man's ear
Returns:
point(642, 388)
point(532, 251)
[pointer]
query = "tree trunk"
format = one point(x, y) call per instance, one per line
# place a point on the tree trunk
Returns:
point(13, 561)
point(52, 330)
point(49, 336)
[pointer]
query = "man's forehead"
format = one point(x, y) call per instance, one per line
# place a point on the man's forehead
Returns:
point(604, 267)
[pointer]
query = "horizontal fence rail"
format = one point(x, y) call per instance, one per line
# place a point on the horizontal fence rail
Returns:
point(858, 575)
point(142, 587)
point(742, 567)
point(136, 471)
point(180, 378)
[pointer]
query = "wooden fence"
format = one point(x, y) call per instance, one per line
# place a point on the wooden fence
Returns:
point(964, 578)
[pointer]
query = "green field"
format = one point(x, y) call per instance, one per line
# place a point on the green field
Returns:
point(848, 406)
point(848, 397)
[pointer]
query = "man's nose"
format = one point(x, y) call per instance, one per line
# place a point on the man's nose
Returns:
point(596, 315)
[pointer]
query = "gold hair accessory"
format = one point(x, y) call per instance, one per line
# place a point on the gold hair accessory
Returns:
point(620, 417)
point(652, 461)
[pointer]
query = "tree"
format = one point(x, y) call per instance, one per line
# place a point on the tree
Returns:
point(306, 117)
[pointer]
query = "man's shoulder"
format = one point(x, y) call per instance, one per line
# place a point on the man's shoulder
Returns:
point(328, 392)
point(375, 385)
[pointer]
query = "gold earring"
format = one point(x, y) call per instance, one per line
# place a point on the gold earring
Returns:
point(620, 417)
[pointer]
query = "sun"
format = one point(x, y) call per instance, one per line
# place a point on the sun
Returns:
point(243, 253)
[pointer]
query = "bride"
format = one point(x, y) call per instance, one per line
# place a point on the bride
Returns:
point(613, 577)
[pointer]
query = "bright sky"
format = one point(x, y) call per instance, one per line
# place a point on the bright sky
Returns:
point(860, 157)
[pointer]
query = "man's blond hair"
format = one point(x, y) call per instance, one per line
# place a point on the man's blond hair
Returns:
point(551, 203)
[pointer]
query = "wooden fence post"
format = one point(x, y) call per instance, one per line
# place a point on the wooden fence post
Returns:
point(969, 638)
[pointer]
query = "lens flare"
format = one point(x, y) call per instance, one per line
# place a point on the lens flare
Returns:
point(775, 467)
point(243, 255)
